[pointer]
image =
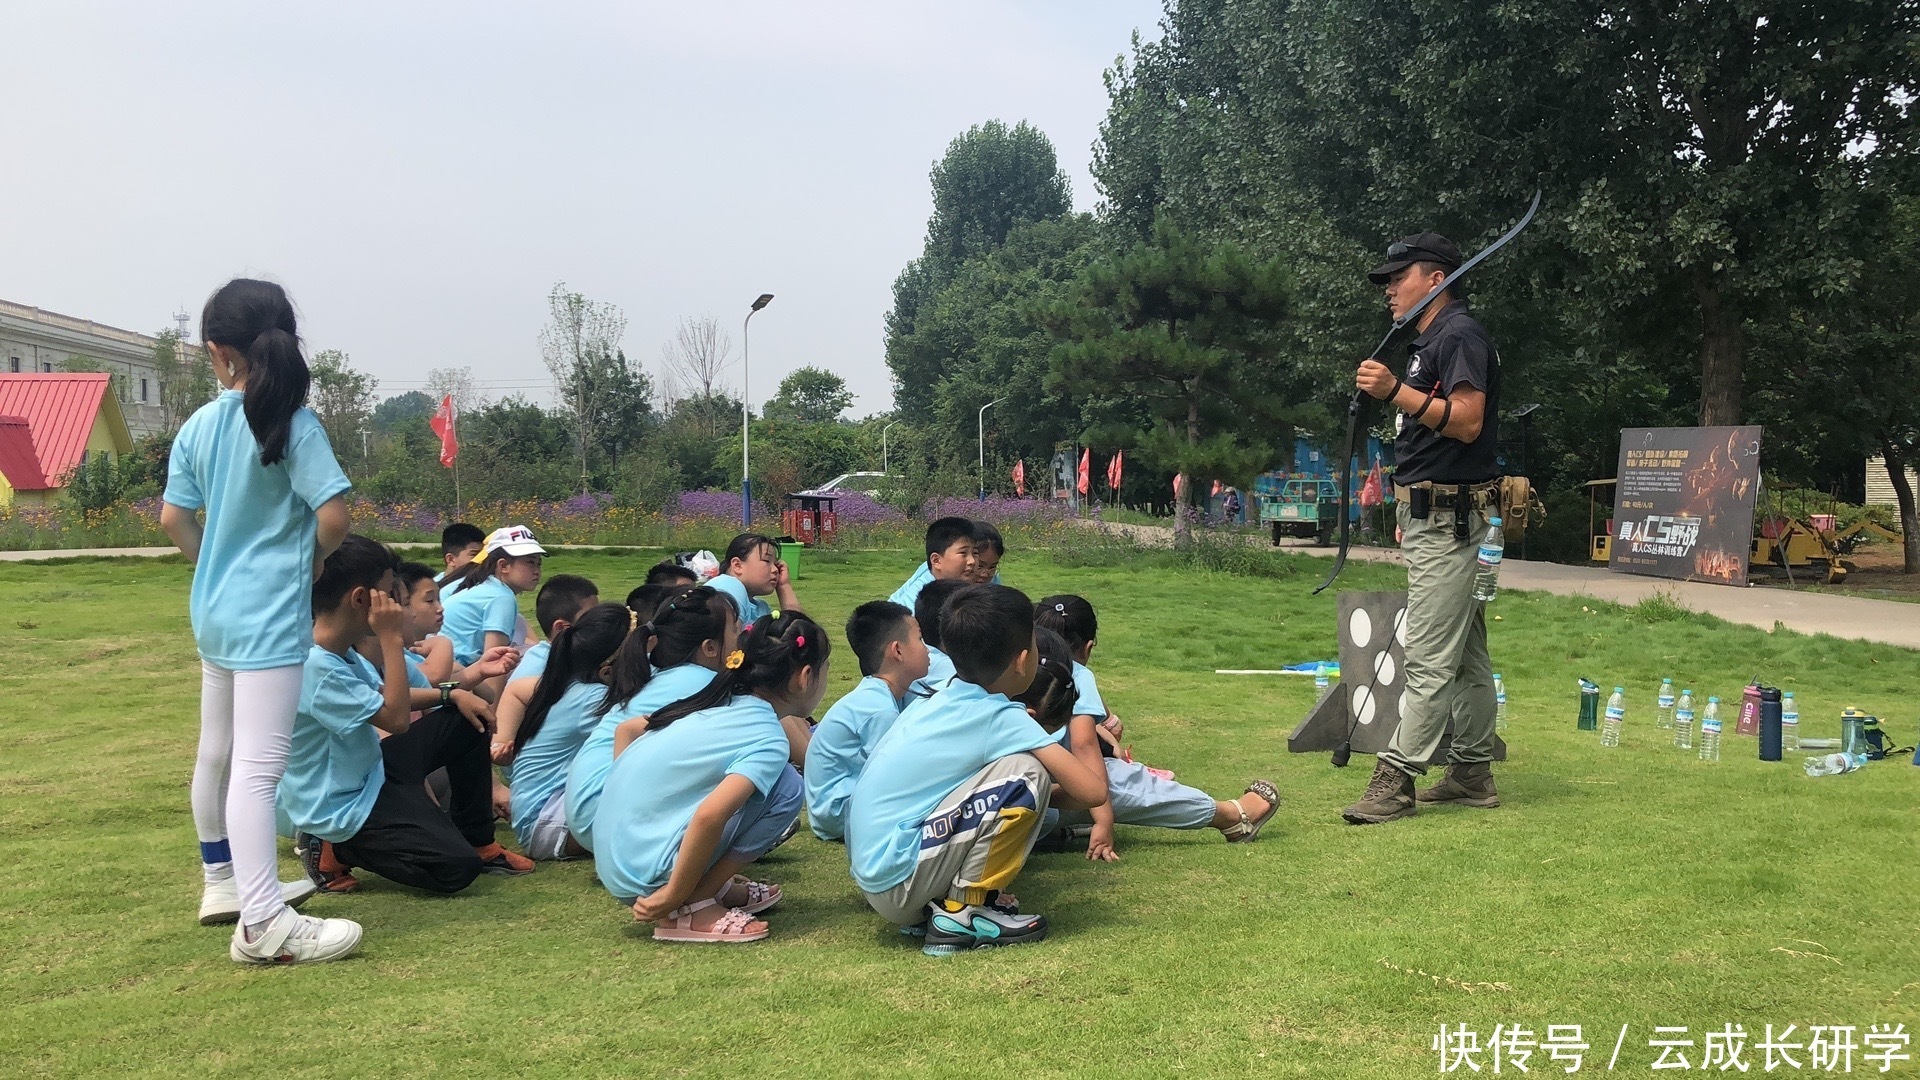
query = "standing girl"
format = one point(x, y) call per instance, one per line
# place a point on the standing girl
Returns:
point(482, 602)
point(257, 461)
point(542, 733)
point(705, 789)
point(674, 654)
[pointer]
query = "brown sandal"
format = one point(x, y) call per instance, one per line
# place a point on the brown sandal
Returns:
point(1245, 831)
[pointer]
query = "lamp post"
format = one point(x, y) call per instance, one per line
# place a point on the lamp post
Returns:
point(746, 398)
point(983, 445)
point(884, 471)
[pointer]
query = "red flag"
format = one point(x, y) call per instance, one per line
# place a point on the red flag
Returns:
point(1086, 461)
point(1179, 485)
point(1113, 471)
point(1216, 488)
point(1374, 491)
point(443, 426)
point(1020, 478)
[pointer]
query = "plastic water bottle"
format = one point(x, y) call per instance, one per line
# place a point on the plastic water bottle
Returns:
point(1500, 705)
point(1486, 579)
point(1831, 764)
point(1663, 719)
point(1683, 722)
point(1616, 716)
point(1710, 731)
point(1322, 682)
point(1789, 722)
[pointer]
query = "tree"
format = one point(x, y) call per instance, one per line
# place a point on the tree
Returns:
point(457, 383)
point(991, 179)
point(694, 362)
point(96, 481)
point(400, 408)
point(342, 398)
point(810, 395)
point(1187, 329)
point(186, 378)
point(581, 347)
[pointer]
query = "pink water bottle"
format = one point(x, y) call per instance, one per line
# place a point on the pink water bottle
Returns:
point(1749, 723)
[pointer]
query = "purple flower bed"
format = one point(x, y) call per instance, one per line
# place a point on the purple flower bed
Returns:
point(999, 509)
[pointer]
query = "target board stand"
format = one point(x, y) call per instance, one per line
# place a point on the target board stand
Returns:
point(1373, 682)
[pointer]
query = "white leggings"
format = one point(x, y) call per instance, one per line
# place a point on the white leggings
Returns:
point(246, 726)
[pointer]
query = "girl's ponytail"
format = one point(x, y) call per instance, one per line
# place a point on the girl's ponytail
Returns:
point(577, 655)
point(256, 319)
point(687, 618)
point(771, 652)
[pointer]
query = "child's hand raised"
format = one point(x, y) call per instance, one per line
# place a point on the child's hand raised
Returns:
point(383, 614)
point(497, 661)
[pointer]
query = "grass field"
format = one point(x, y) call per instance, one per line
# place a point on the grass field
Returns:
point(1632, 886)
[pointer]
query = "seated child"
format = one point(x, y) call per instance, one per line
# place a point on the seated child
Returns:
point(701, 788)
point(926, 612)
point(430, 656)
point(886, 641)
point(988, 550)
point(948, 807)
point(538, 735)
point(674, 654)
point(949, 556)
point(482, 609)
point(752, 569)
point(1137, 795)
point(668, 572)
point(563, 598)
point(646, 599)
point(459, 543)
point(356, 800)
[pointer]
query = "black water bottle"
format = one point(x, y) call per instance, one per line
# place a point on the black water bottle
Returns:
point(1769, 723)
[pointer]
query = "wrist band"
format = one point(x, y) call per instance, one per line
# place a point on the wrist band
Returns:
point(1395, 392)
point(1445, 415)
point(1425, 405)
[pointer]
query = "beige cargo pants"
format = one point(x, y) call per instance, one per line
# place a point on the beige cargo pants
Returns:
point(1449, 673)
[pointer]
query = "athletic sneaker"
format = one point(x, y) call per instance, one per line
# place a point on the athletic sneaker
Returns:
point(220, 901)
point(978, 927)
point(1004, 903)
point(293, 938)
point(323, 868)
point(495, 859)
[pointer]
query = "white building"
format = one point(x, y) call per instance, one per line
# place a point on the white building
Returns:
point(33, 340)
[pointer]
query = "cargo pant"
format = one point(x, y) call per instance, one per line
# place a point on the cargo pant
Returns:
point(1449, 672)
point(975, 841)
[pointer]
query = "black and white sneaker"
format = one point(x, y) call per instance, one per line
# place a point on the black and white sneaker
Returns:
point(1004, 903)
point(978, 927)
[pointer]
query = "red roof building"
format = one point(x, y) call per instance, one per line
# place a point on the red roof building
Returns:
point(48, 422)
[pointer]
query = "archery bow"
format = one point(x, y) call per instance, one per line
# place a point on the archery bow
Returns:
point(1357, 407)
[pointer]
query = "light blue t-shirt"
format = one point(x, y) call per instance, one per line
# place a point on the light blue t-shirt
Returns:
point(909, 592)
point(935, 745)
point(416, 671)
point(663, 776)
point(533, 661)
point(252, 596)
point(587, 777)
point(748, 608)
point(540, 768)
point(939, 673)
point(473, 612)
point(839, 750)
point(1088, 701)
point(334, 771)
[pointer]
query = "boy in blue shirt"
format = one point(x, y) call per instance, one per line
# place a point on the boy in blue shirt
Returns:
point(561, 602)
point(356, 799)
point(949, 557)
point(926, 612)
point(949, 804)
point(887, 642)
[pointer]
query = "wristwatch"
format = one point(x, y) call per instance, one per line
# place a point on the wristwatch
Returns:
point(446, 692)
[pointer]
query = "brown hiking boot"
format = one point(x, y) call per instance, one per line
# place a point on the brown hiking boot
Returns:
point(1468, 784)
point(1389, 796)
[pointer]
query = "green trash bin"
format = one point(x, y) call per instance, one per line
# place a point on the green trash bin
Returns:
point(790, 550)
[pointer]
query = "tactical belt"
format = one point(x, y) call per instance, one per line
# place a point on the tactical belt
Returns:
point(1423, 498)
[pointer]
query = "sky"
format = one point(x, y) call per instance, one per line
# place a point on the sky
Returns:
point(419, 176)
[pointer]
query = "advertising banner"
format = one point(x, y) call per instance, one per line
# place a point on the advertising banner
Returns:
point(1684, 505)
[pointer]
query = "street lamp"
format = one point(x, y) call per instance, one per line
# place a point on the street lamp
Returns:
point(746, 398)
point(884, 471)
point(983, 445)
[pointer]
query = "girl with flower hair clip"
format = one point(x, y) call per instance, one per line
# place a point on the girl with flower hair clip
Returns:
point(703, 787)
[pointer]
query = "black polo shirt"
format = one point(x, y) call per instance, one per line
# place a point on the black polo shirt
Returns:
point(1454, 351)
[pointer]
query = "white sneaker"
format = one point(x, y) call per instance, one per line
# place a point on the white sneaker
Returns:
point(293, 938)
point(220, 901)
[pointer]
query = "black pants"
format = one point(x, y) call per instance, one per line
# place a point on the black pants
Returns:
point(409, 839)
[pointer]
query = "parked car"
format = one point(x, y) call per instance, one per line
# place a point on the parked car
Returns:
point(853, 481)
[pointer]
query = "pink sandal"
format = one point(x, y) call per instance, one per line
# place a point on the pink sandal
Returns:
point(760, 895)
point(732, 927)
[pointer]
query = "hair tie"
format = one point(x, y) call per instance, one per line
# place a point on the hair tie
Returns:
point(1061, 608)
point(735, 659)
point(633, 620)
point(647, 628)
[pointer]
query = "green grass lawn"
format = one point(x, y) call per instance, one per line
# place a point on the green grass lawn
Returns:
point(1632, 886)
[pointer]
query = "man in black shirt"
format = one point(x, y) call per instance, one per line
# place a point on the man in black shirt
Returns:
point(1446, 486)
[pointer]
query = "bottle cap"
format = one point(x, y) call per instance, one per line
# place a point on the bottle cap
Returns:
point(1493, 521)
point(1619, 689)
point(1788, 694)
point(1496, 674)
point(1666, 680)
point(1713, 701)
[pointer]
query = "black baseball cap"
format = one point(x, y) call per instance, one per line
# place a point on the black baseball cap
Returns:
point(1420, 247)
